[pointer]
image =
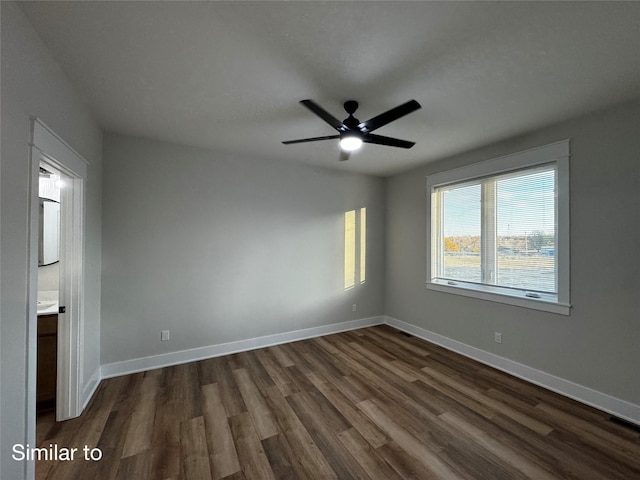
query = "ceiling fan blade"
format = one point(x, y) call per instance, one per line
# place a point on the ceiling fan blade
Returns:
point(314, 139)
point(389, 116)
point(391, 142)
point(323, 114)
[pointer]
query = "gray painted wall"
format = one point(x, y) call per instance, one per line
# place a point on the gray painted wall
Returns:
point(218, 248)
point(33, 84)
point(598, 345)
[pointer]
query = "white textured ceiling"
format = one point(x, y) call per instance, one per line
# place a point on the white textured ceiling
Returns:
point(229, 75)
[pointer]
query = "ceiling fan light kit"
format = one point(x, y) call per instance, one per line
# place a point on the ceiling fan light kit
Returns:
point(350, 143)
point(352, 133)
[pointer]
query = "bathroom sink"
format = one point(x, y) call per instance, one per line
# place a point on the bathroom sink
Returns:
point(45, 305)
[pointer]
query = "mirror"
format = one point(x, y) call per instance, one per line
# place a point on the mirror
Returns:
point(49, 244)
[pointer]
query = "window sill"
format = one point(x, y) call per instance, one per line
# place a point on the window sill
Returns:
point(505, 296)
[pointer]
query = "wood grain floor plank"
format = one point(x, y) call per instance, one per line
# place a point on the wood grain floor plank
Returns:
point(434, 466)
point(388, 386)
point(504, 451)
point(452, 365)
point(397, 351)
point(340, 460)
point(326, 346)
point(207, 371)
point(524, 408)
point(281, 356)
point(229, 392)
point(166, 460)
point(324, 409)
point(420, 423)
point(372, 351)
point(235, 476)
point(535, 448)
point(139, 435)
point(355, 388)
point(194, 452)
point(357, 420)
point(222, 451)
point(282, 465)
point(111, 444)
point(298, 379)
point(566, 462)
point(233, 361)
point(276, 372)
point(470, 463)
point(259, 375)
point(626, 450)
point(441, 398)
point(258, 409)
point(386, 361)
point(188, 395)
point(374, 465)
point(134, 466)
point(321, 360)
point(490, 407)
point(594, 462)
point(406, 466)
point(253, 460)
point(400, 340)
point(298, 360)
point(313, 461)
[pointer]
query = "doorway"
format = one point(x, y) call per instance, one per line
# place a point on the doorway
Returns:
point(50, 184)
point(52, 154)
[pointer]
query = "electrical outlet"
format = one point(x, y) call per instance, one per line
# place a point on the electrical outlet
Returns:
point(164, 336)
point(354, 307)
point(497, 336)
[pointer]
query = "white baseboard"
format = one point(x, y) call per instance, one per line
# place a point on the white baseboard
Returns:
point(615, 406)
point(184, 356)
point(90, 388)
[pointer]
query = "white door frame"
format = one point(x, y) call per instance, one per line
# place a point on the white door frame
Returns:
point(48, 148)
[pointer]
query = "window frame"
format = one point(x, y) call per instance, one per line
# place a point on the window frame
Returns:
point(558, 153)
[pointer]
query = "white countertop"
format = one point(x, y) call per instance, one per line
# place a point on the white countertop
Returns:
point(47, 302)
point(47, 308)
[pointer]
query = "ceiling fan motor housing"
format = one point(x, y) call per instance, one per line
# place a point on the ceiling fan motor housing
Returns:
point(350, 106)
point(351, 122)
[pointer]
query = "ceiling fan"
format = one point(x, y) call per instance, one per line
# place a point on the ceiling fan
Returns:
point(353, 133)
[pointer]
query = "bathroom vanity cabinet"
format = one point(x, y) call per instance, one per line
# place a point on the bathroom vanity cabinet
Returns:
point(47, 361)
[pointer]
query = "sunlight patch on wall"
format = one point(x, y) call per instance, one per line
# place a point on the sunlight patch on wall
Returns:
point(349, 249)
point(363, 245)
point(355, 247)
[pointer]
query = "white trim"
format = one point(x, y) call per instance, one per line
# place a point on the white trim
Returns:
point(507, 296)
point(495, 166)
point(32, 309)
point(563, 244)
point(558, 152)
point(48, 148)
point(55, 147)
point(602, 401)
point(195, 354)
point(90, 388)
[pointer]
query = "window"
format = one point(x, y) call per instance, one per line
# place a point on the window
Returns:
point(355, 252)
point(499, 229)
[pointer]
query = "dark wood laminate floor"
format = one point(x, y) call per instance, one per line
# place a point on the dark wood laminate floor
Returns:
point(371, 403)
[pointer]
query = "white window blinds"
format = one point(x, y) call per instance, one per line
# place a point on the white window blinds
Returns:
point(498, 230)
